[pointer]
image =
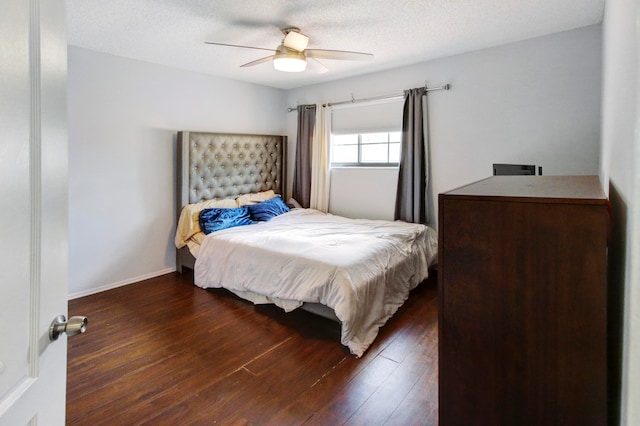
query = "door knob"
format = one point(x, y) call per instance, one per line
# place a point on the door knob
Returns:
point(75, 325)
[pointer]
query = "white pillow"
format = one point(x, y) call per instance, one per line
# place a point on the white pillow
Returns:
point(255, 198)
point(189, 222)
point(294, 203)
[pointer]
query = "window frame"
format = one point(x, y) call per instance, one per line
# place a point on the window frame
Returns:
point(360, 163)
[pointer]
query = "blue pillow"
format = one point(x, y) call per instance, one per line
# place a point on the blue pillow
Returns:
point(268, 209)
point(217, 219)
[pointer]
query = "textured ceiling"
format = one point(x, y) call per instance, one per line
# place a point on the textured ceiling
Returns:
point(173, 32)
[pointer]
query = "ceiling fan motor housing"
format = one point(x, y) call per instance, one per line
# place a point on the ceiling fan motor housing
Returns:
point(294, 39)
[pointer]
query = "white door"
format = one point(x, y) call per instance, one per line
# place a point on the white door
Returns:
point(33, 210)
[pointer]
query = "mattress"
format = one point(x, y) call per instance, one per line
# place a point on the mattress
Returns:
point(362, 269)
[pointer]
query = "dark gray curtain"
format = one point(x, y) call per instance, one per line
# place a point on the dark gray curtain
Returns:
point(302, 172)
point(411, 197)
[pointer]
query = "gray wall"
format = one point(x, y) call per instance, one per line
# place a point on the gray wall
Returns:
point(534, 102)
point(123, 116)
point(620, 173)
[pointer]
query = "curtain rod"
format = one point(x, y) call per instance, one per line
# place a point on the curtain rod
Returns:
point(378, 98)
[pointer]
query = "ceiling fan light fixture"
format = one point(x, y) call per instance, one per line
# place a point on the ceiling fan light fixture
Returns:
point(290, 61)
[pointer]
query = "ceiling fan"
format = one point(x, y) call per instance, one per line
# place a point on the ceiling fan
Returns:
point(292, 53)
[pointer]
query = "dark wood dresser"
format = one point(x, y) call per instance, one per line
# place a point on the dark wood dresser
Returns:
point(522, 302)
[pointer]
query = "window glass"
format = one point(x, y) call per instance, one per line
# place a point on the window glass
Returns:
point(344, 139)
point(375, 137)
point(394, 152)
point(365, 149)
point(375, 153)
point(344, 154)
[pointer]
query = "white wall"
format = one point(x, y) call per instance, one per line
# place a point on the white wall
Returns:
point(534, 102)
point(364, 193)
point(123, 116)
point(620, 173)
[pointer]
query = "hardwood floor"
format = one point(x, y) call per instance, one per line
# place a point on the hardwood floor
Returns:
point(163, 351)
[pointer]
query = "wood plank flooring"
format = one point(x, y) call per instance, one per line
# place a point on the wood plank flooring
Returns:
point(165, 352)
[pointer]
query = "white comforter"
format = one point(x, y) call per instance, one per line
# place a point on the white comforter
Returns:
point(362, 269)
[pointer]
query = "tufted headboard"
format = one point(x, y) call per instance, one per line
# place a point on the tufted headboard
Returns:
point(223, 165)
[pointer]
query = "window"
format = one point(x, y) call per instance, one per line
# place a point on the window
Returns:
point(365, 149)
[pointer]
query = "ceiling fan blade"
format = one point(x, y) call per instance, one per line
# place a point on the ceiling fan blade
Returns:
point(235, 45)
point(257, 61)
point(320, 67)
point(338, 54)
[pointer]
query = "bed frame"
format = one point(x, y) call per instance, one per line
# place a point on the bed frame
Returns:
point(223, 165)
point(226, 165)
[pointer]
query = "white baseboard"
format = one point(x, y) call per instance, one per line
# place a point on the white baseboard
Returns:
point(119, 284)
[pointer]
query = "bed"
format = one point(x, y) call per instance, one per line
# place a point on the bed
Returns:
point(355, 271)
